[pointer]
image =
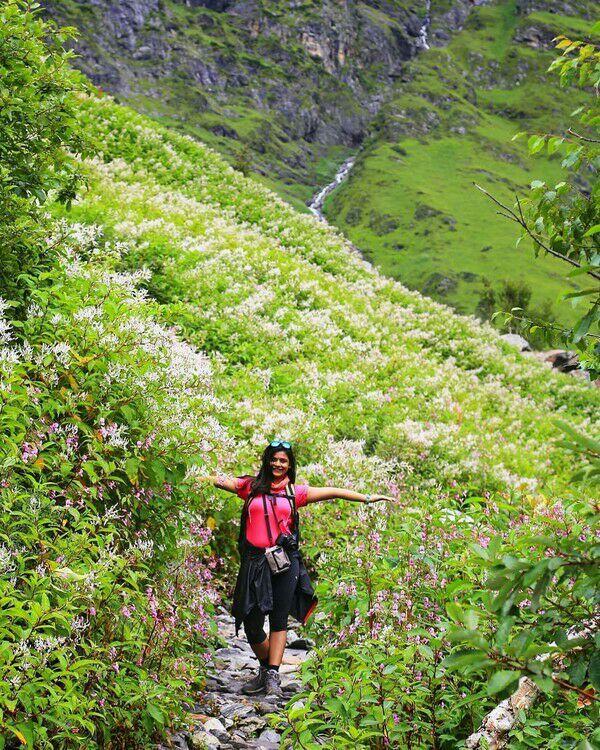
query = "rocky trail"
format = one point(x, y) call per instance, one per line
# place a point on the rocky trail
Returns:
point(224, 717)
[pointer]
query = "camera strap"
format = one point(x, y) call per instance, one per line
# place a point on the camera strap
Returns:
point(267, 521)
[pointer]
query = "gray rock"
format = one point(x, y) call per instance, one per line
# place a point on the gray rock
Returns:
point(517, 341)
point(204, 740)
point(238, 710)
point(213, 725)
point(269, 735)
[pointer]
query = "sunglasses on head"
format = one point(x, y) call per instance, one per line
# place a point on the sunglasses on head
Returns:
point(284, 443)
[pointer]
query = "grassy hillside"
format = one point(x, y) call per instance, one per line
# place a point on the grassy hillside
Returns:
point(287, 93)
point(180, 315)
point(378, 387)
point(410, 202)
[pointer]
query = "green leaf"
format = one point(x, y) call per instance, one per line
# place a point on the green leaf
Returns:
point(454, 611)
point(545, 684)
point(467, 658)
point(577, 672)
point(594, 669)
point(155, 713)
point(501, 680)
point(503, 630)
point(592, 230)
point(131, 468)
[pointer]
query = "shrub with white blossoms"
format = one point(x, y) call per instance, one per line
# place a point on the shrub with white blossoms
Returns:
point(379, 389)
point(106, 410)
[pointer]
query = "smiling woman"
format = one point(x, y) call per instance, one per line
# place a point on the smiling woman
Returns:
point(270, 527)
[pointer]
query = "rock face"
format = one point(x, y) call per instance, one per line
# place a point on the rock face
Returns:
point(288, 80)
point(226, 718)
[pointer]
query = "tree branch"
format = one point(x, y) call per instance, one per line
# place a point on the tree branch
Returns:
point(495, 727)
point(582, 137)
point(520, 219)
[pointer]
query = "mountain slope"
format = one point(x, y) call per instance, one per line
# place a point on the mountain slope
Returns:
point(205, 229)
point(282, 88)
point(115, 412)
point(410, 201)
point(378, 388)
point(288, 91)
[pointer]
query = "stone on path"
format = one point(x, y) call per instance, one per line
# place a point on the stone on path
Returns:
point(224, 717)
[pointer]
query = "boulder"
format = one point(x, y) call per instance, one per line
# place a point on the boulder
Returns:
point(202, 740)
point(517, 341)
point(562, 360)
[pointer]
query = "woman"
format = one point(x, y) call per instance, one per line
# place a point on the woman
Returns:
point(268, 518)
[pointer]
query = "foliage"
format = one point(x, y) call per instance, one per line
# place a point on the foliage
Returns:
point(39, 135)
point(108, 410)
point(513, 295)
point(379, 388)
point(543, 593)
point(563, 220)
point(105, 575)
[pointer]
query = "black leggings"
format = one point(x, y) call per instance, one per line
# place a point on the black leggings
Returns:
point(284, 585)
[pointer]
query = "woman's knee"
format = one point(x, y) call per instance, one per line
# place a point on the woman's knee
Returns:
point(278, 621)
point(254, 633)
point(254, 627)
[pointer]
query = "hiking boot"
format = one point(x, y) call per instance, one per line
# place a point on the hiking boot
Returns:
point(256, 684)
point(273, 683)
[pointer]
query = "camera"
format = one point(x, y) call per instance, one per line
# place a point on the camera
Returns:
point(288, 542)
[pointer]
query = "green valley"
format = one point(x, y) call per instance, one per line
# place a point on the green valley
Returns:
point(410, 202)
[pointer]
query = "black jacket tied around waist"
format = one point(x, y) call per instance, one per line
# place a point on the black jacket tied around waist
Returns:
point(253, 588)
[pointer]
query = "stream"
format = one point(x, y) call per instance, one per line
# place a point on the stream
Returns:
point(316, 204)
point(424, 30)
point(318, 200)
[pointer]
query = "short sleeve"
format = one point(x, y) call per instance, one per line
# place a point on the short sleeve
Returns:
point(301, 491)
point(242, 487)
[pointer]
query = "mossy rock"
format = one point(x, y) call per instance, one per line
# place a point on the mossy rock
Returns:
point(422, 212)
point(382, 224)
point(439, 285)
point(353, 216)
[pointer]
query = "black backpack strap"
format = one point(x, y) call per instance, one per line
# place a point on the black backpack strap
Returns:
point(292, 501)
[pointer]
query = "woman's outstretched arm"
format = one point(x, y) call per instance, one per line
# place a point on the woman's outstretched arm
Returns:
point(222, 481)
point(316, 494)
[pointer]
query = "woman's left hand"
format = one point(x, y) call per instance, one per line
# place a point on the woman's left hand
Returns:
point(377, 498)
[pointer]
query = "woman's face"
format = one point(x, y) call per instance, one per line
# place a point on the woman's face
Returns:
point(280, 463)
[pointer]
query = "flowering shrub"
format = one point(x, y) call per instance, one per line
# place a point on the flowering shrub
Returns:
point(379, 388)
point(191, 316)
point(106, 575)
point(39, 137)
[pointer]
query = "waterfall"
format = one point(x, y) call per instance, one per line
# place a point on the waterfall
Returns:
point(316, 204)
point(423, 31)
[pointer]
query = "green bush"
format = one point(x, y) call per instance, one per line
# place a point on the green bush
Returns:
point(39, 136)
point(105, 573)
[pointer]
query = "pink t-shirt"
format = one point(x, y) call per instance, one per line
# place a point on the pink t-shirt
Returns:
point(256, 527)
